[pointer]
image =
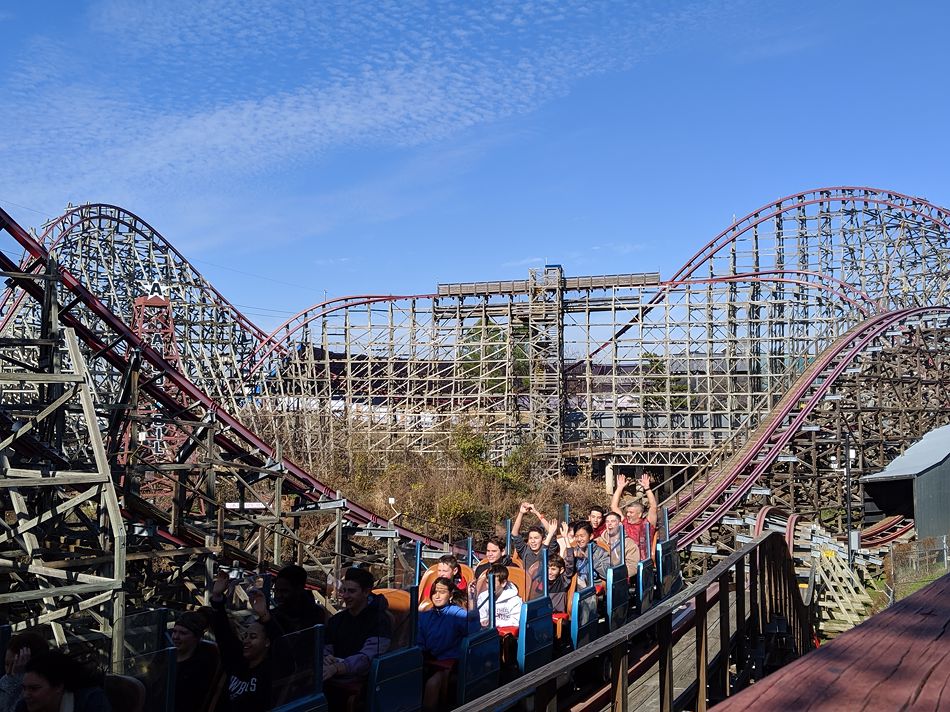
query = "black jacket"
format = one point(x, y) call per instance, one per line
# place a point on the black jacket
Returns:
point(247, 689)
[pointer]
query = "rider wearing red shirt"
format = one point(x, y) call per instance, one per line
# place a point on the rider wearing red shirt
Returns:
point(635, 516)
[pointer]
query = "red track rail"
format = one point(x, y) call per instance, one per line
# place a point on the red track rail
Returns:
point(779, 434)
point(875, 196)
point(277, 341)
point(239, 441)
point(246, 441)
point(76, 217)
point(866, 194)
point(886, 531)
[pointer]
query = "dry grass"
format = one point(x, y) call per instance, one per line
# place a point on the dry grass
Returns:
point(460, 492)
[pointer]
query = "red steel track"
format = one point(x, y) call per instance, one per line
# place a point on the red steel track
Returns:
point(715, 501)
point(238, 441)
point(718, 500)
point(885, 531)
point(857, 194)
point(57, 231)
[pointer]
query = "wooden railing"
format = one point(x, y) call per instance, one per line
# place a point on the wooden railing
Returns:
point(758, 581)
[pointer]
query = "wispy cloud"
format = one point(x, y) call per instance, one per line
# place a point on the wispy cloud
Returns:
point(246, 218)
point(618, 248)
point(331, 261)
point(794, 43)
point(526, 262)
point(203, 94)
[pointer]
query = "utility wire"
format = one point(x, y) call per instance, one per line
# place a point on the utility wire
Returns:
point(256, 276)
point(25, 207)
point(207, 262)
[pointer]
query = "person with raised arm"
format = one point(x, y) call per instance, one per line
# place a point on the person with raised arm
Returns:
point(247, 655)
point(529, 547)
point(574, 551)
point(620, 547)
point(635, 516)
point(21, 648)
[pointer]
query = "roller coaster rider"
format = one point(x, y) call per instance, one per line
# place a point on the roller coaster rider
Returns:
point(495, 553)
point(620, 552)
point(635, 516)
point(596, 519)
point(295, 607)
point(354, 636)
point(529, 547)
point(574, 551)
point(250, 661)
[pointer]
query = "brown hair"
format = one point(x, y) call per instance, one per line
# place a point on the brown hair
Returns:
point(500, 572)
point(28, 639)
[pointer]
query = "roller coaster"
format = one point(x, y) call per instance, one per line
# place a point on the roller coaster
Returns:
point(151, 430)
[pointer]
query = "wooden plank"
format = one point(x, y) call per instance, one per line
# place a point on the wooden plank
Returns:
point(58, 591)
point(722, 677)
point(56, 510)
point(897, 659)
point(21, 377)
point(50, 572)
point(78, 478)
point(619, 680)
point(664, 639)
point(136, 556)
point(702, 652)
point(60, 613)
point(31, 422)
point(645, 690)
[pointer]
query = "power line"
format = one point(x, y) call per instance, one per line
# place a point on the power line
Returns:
point(266, 309)
point(25, 207)
point(251, 274)
point(207, 262)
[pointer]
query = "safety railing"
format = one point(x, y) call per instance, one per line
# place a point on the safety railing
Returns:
point(758, 582)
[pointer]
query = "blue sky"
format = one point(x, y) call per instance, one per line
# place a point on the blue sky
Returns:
point(294, 151)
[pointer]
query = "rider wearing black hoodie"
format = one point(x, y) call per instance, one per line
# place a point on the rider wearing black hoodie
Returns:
point(250, 663)
point(354, 636)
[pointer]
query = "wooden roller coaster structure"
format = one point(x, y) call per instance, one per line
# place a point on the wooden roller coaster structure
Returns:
point(133, 396)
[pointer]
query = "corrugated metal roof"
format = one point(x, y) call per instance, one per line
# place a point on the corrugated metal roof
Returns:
point(930, 450)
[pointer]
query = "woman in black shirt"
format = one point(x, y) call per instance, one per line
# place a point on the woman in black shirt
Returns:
point(248, 661)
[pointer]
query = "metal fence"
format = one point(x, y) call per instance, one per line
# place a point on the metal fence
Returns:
point(915, 564)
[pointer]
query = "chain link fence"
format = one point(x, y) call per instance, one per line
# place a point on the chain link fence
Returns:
point(915, 564)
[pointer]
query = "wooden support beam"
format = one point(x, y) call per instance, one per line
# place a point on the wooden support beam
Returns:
point(702, 651)
point(722, 686)
point(19, 377)
point(59, 591)
point(742, 650)
point(56, 480)
point(619, 679)
point(56, 510)
point(60, 613)
point(664, 641)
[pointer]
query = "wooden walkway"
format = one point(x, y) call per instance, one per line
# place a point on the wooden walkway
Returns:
point(644, 692)
point(896, 660)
